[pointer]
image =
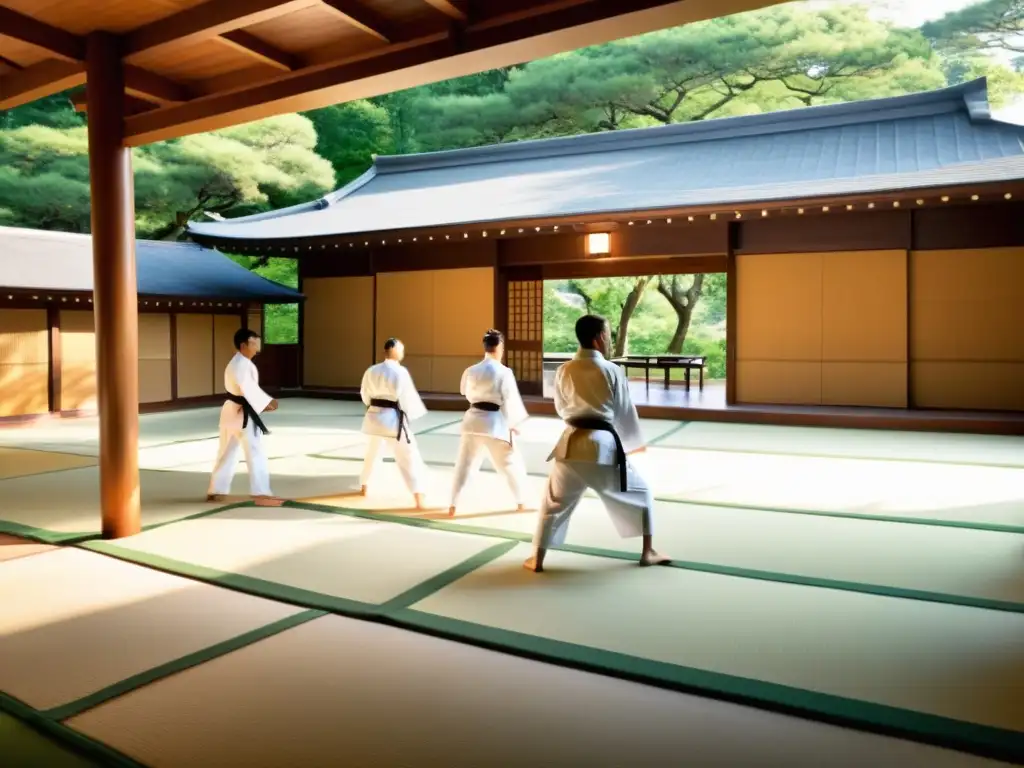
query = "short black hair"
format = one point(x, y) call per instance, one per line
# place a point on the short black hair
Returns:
point(588, 328)
point(391, 344)
point(492, 339)
point(242, 335)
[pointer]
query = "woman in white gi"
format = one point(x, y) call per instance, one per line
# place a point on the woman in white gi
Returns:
point(602, 429)
point(495, 412)
point(391, 402)
point(241, 426)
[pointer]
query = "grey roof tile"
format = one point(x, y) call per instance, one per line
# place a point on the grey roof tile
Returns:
point(59, 261)
point(937, 138)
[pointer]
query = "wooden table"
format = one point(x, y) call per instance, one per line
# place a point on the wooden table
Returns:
point(664, 363)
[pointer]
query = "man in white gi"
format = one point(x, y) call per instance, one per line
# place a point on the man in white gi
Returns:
point(241, 426)
point(495, 412)
point(602, 429)
point(392, 401)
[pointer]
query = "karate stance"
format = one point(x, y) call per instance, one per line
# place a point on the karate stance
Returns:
point(495, 412)
point(602, 428)
point(241, 425)
point(391, 402)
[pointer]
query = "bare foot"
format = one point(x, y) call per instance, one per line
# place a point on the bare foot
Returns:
point(420, 503)
point(652, 557)
point(215, 497)
point(533, 564)
point(521, 508)
point(362, 490)
point(451, 511)
point(268, 501)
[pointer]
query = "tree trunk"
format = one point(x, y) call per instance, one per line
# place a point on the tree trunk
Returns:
point(626, 313)
point(683, 302)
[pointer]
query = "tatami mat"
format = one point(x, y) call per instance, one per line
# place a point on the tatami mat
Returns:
point(945, 562)
point(337, 691)
point(23, 747)
point(954, 662)
point(82, 621)
point(17, 463)
point(854, 443)
point(55, 506)
point(14, 547)
point(325, 560)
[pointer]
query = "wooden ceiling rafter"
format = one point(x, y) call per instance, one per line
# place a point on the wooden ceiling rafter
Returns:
point(57, 42)
point(203, 22)
point(454, 11)
point(364, 18)
point(261, 50)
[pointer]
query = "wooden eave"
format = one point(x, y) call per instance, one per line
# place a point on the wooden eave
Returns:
point(199, 65)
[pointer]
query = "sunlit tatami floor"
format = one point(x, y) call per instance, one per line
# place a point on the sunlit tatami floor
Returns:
point(838, 598)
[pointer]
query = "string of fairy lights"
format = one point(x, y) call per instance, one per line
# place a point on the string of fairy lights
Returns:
point(366, 242)
point(163, 303)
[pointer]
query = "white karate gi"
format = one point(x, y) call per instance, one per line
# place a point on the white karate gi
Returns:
point(490, 382)
point(590, 386)
point(241, 378)
point(391, 381)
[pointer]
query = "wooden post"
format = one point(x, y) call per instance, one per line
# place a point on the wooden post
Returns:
point(115, 292)
point(55, 361)
point(730, 315)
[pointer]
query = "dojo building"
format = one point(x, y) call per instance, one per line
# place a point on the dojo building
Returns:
point(874, 254)
point(191, 302)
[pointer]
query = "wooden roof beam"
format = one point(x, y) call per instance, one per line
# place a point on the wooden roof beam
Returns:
point(9, 63)
point(452, 10)
point(63, 45)
point(487, 44)
point(153, 88)
point(39, 80)
point(132, 104)
point(365, 18)
point(261, 51)
point(206, 21)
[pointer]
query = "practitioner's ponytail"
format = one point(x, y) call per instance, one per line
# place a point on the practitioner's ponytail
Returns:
point(492, 339)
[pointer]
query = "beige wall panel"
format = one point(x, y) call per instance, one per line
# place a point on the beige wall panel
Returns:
point(337, 330)
point(421, 368)
point(463, 310)
point(255, 321)
point(967, 305)
point(448, 370)
point(864, 306)
point(882, 385)
point(195, 355)
point(969, 386)
point(154, 381)
point(790, 383)
point(778, 309)
point(154, 336)
point(78, 361)
point(24, 389)
point(224, 328)
point(24, 337)
point(405, 309)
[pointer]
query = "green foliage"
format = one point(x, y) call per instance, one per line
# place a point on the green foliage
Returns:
point(350, 134)
point(990, 24)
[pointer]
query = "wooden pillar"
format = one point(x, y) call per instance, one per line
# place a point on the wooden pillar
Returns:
point(115, 292)
point(55, 360)
point(730, 314)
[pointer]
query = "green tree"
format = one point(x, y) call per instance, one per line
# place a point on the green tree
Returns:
point(349, 135)
point(44, 175)
point(990, 24)
point(760, 61)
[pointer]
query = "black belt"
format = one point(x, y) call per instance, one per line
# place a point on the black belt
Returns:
point(393, 405)
point(490, 408)
point(600, 425)
point(248, 412)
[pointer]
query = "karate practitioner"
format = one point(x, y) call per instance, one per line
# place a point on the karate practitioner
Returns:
point(495, 412)
point(602, 428)
point(391, 402)
point(241, 425)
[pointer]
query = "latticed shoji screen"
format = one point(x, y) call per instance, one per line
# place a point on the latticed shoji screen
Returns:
point(526, 329)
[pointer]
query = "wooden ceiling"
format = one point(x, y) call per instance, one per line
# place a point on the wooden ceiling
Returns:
point(198, 65)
